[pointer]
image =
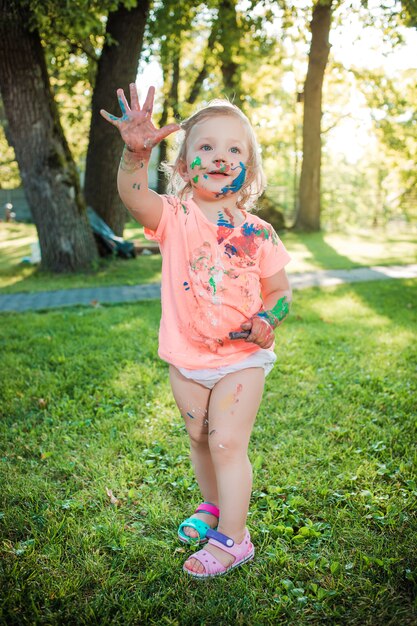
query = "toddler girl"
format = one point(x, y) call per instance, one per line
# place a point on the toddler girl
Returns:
point(224, 290)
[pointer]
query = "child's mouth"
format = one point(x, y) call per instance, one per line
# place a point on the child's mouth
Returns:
point(217, 173)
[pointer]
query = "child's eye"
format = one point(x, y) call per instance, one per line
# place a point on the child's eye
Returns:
point(235, 150)
point(205, 147)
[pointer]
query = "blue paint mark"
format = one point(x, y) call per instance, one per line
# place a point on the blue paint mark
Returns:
point(222, 221)
point(230, 250)
point(205, 176)
point(122, 108)
point(236, 183)
point(249, 229)
point(191, 416)
point(187, 286)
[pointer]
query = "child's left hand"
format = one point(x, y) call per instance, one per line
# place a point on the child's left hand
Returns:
point(261, 331)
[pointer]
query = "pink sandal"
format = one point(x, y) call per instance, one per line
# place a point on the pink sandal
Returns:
point(242, 552)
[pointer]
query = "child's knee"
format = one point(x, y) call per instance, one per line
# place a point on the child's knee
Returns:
point(198, 438)
point(225, 447)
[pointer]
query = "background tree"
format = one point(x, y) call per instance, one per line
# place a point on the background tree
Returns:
point(308, 215)
point(46, 165)
point(229, 33)
point(117, 67)
point(266, 43)
point(197, 45)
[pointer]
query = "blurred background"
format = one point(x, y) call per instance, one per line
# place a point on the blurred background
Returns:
point(330, 87)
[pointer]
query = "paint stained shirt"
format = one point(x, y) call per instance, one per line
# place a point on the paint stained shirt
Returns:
point(211, 282)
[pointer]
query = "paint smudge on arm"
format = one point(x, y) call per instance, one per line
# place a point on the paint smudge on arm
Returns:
point(278, 313)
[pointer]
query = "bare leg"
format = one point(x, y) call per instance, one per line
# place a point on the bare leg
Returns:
point(233, 406)
point(192, 400)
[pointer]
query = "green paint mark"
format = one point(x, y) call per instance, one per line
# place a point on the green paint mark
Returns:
point(277, 313)
point(213, 285)
point(197, 161)
point(195, 179)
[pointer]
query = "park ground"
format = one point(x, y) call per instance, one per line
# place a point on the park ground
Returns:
point(95, 471)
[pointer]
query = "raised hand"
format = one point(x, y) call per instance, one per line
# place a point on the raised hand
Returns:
point(135, 124)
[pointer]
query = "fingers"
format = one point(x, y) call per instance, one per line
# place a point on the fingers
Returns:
point(124, 107)
point(134, 99)
point(109, 117)
point(261, 333)
point(166, 130)
point(148, 104)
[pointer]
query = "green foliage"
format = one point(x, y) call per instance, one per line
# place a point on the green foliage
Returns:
point(393, 104)
point(9, 171)
point(269, 48)
point(409, 13)
point(95, 470)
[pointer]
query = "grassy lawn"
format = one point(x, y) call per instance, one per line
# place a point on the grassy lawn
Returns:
point(309, 252)
point(88, 418)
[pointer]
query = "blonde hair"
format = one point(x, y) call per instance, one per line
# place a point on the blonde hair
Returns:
point(255, 181)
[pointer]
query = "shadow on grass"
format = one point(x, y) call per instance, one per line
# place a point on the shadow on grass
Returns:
point(325, 255)
point(399, 293)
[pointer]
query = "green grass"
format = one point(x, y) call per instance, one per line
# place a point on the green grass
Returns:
point(309, 252)
point(86, 407)
point(15, 277)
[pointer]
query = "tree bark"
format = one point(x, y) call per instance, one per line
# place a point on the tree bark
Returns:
point(203, 73)
point(308, 216)
point(46, 166)
point(229, 35)
point(117, 67)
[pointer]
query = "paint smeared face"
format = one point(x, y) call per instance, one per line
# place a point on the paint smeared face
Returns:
point(217, 155)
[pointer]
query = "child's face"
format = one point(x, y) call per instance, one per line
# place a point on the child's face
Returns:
point(217, 156)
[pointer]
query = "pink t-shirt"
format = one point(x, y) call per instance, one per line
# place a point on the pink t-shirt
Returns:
point(210, 282)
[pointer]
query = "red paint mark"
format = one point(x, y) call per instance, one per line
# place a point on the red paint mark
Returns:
point(230, 216)
point(237, 392)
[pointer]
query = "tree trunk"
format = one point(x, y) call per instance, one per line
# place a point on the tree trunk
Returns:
point(308, 216)
point(117, 67)
point(170, 62)
point(203, 73)
point(47, 169)
point(229, 36)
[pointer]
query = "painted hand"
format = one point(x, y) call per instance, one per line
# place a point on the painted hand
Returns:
point(261, 332)
point(135, 125)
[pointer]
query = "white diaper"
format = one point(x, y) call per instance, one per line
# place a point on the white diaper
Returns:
point(209, 377)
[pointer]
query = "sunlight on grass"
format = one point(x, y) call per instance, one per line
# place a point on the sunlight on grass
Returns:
point(352, 249)
point(356, 308)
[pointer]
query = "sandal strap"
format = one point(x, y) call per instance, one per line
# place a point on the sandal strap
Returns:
point(207, 507)
point(220, 538)
point(227, 544)
point(198, 525)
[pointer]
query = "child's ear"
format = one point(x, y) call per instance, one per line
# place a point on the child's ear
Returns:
point(183, 171)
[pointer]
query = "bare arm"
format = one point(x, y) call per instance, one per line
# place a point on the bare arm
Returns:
point(140, 136)
point(277, 296)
